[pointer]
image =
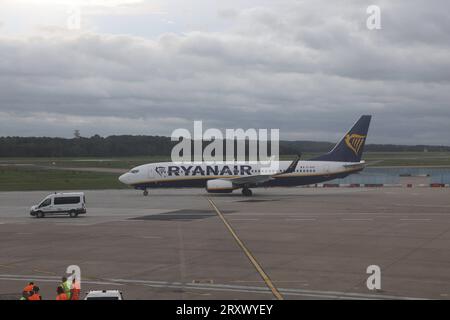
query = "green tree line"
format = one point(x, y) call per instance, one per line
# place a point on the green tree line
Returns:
point(128, 145)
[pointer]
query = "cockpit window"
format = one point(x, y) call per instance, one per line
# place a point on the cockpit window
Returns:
point(134, 171)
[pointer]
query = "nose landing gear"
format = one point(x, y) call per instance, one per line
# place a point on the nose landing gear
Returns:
point(145, 192)
point(246, 192)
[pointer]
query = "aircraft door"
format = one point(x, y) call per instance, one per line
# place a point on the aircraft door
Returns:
point(326, 169)
point(151, 172)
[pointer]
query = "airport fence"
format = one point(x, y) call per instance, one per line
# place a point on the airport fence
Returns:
point(393, 176)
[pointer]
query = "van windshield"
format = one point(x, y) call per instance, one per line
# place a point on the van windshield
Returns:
point(45, 203)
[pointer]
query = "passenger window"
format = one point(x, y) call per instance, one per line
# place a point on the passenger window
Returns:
point(67, 200)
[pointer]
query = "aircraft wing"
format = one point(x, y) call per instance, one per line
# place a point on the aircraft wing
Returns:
point(254, 179)
point(261, 178)
point(356, 165)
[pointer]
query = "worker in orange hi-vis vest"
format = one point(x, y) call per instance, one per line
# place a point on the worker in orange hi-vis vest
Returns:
point(29, 287)
point(61, 294)
point(35, 294)
point(27, 291)
point(75, 290)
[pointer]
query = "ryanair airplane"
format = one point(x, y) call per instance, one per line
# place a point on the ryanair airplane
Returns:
point(342, 160)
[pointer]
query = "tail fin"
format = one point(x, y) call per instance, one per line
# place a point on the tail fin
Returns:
point(351, 147)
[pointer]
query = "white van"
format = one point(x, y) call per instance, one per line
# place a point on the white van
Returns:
point(104, 295)
point(72, 204)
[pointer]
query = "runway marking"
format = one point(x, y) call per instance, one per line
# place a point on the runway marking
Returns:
point(408, 219)
point(20, 278)
point(422, 205)
point(79, 224)
point(315, 214)
point(300, 219)
point(252, 259)
point(357, 219)
point(216, 287)
point(44, 272)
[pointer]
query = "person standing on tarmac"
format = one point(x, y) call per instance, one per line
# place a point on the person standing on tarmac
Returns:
point(27, 291)
point(75, 290)
point(61, 294)
point(29, 287)
point(25, 295)
point(66, 286)
point(35, 294)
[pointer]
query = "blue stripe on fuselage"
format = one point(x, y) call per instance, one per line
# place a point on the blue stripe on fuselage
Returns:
point(281, 181)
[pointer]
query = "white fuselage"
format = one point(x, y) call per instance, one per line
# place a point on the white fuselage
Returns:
point(192, 174)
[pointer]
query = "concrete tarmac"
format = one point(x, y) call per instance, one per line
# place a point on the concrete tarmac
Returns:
point(311, 243)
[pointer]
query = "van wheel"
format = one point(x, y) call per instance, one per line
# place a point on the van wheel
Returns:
point(40, 214)
point(73, 214)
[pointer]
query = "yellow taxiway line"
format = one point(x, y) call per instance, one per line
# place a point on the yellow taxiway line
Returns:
point(249, 255)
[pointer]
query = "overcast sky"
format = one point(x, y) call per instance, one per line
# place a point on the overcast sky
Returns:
point(307, 67)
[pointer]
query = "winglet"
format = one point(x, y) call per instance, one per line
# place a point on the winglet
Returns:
point(293, 165)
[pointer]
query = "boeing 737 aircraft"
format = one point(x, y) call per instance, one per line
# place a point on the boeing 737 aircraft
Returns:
point(342, 160)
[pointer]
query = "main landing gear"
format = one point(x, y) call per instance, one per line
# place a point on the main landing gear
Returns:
point(246, 192)
point(145, 192)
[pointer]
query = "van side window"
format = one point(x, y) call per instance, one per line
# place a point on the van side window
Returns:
point(67, 200)
point(45, 203)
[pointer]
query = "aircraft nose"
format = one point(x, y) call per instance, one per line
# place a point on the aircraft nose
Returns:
point(123, 178)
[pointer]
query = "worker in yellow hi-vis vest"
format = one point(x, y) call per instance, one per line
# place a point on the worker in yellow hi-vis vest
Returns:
point(66, 285)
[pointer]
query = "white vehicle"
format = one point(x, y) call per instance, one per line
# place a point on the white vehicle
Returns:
point(72, 204)
point(104, 295)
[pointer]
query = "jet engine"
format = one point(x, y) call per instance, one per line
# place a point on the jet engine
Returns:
point(219, 186)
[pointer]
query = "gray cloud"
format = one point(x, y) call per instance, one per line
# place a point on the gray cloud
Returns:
point(309, 68)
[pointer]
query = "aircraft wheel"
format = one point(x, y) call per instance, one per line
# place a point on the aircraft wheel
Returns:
point(145, 193)
point(247, 192)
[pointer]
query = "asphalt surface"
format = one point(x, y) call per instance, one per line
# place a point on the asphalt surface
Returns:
point(310, 243)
